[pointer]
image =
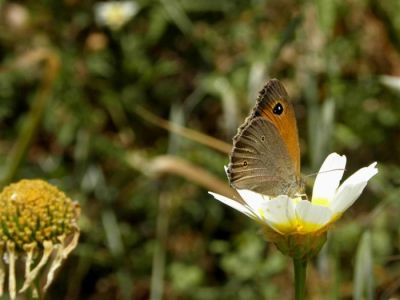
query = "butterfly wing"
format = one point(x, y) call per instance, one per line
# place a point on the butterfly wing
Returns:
point(265, 157)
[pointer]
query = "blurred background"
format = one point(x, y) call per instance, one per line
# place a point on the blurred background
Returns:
point(130, 107)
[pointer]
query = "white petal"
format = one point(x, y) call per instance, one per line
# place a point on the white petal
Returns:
point(279, 214)
point(130, 8)
point(234, 204)
point(312, 217)
point(329, 177)
point(253, 200)
point(351, 189)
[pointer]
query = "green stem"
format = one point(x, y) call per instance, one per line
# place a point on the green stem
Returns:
point(159, 256)
point(300, 267)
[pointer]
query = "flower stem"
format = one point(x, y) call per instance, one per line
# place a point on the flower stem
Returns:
point(300, 267)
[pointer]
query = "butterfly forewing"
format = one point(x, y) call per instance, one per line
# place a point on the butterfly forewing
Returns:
point(272, 95)
point(265, 157)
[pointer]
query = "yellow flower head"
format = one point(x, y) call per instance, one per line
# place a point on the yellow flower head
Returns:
point(37, 220)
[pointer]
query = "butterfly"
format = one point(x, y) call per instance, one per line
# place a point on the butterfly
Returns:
point(265, 157)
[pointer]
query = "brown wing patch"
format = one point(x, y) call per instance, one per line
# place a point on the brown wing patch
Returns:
point(257, 165)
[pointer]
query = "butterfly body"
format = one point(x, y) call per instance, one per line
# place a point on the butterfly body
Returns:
point(266, 156)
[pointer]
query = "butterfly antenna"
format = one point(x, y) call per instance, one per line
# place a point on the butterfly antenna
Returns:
point(327, 171)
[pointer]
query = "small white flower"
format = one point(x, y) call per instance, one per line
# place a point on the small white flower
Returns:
point(115, 14)
point(287, 215)
point(392, 82)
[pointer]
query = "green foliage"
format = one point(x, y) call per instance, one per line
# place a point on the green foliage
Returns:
point(200, 64)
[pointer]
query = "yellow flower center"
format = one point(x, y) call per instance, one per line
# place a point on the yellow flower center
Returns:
point(32, 211)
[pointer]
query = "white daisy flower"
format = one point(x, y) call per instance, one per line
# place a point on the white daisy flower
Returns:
point(294, 216)
point(115, 14)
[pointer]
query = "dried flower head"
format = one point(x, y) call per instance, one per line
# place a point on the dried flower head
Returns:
point(39, 229)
